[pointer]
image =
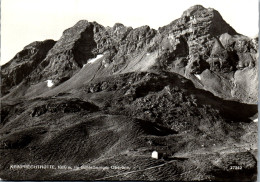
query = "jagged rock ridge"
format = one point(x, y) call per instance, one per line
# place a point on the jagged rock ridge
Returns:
point(200, 46)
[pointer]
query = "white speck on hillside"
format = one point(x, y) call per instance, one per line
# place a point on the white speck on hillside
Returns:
point(147, 54)
point(94, 59)
point(90, 61)
point(198, 76)
point(49, 83)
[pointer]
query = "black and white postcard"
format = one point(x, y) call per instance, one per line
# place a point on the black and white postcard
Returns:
point(143, 90)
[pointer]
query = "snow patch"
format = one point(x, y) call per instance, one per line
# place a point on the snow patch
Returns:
point(155, 155)
point(90, 61)
point(94, 59)
point(198, 76)
point(254, 118)
point(49, 83)
point(147, 54)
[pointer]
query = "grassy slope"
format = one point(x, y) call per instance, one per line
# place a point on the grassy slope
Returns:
point(128, 125)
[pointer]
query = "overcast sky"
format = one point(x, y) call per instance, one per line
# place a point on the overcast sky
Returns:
point(25, 21)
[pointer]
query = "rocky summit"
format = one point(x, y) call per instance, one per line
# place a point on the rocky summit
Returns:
point(108, 97)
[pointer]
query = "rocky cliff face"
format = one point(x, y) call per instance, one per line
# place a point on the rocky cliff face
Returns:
point(23, 64)
point(200, 46)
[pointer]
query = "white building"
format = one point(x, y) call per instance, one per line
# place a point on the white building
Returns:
point(155, 155)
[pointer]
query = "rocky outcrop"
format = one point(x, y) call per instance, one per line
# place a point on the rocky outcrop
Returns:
point(87, 40)
point(215, 53)
point(68, 55)
point(23, 64)
point(65, 106)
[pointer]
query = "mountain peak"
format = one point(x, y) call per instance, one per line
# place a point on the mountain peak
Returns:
point(192, 10)
point(118, 25)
